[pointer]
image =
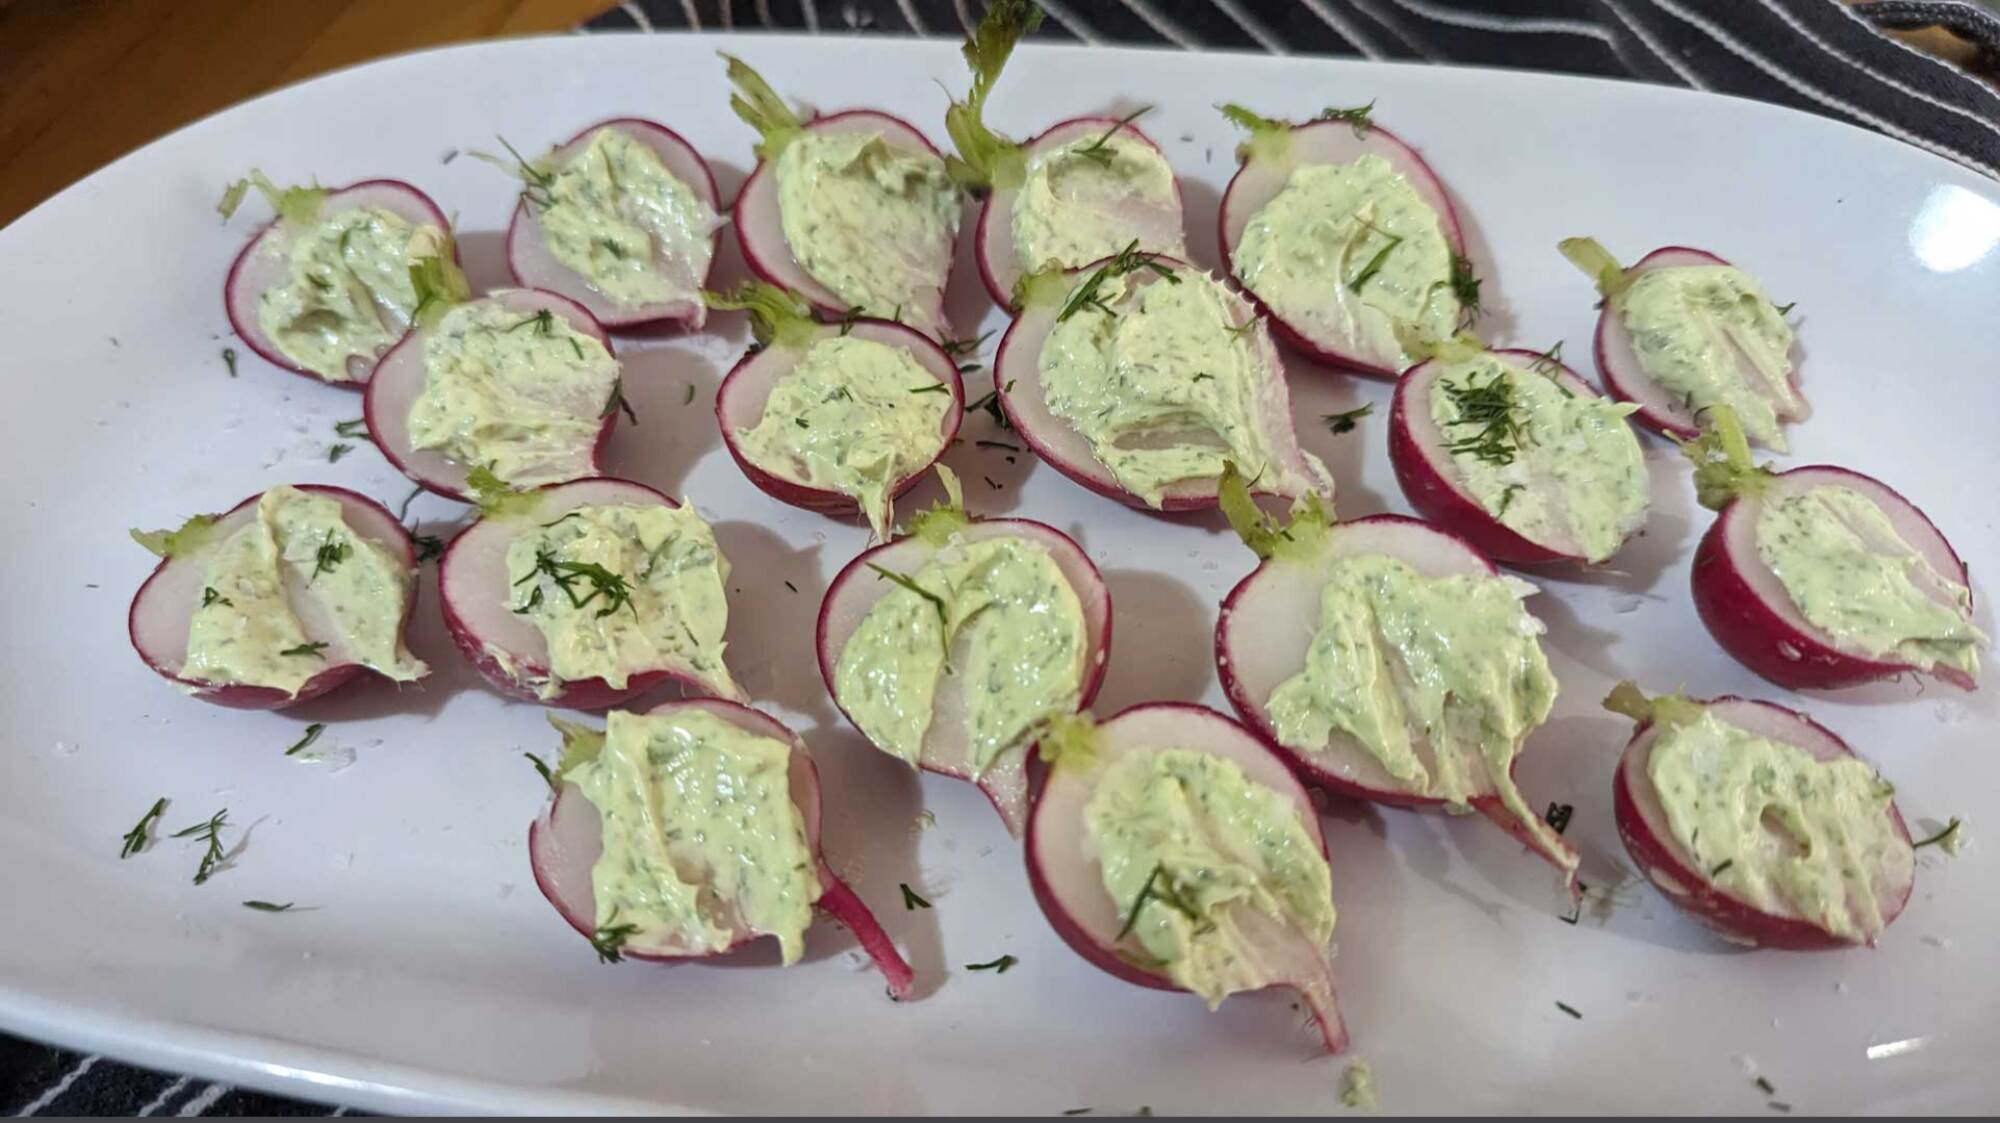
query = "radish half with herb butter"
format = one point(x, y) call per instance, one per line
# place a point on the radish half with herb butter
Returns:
point(1760, 822)
point(622, 218)
point(1347, 239)
point(952, 646)
point(1390, 662)
point(1171, 848)
point(522, 383)
point(1140, 377)
point(835, 418)
point(853, 211)
point(689, 831)
point(289, 594)
point(1821, 577)
point(588, 594)
point(324, 289)
point(1516, 454)
point(1077, 193)
point(1683, 331)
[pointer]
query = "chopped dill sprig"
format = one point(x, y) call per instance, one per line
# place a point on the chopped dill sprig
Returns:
point(135, 839)
point(1099, 151)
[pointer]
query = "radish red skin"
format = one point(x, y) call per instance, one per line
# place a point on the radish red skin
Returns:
point(1095, 664)
point(578, 317)
point(983, 233)
point(1410, 161)
point(1436, 498)
point(837, 900)
point(580, 694)
point(252, 338)
point(712, 196)
point(1734, 918)
point(837, 504)
point(1750, 630)
point(241, 696)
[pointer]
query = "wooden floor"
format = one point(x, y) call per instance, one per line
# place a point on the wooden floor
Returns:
point(84, 81)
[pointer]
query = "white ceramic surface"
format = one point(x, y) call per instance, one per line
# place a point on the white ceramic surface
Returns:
point(429, 974)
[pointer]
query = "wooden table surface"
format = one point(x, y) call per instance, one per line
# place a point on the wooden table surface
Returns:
point(82, 82)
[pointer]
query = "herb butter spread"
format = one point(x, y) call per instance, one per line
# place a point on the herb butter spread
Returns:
point(1202, 862)
point(522, 394)
point(621, 590)
point(299, 561)
point(616, 216)
point(1852, 576)
point(854, 416)
point(1169, 379)
point(1439, 678)
point(1352, 252)
point(1709, 336)
point(701, 837)
point(1773, 825)
point(872, 221)
point(1558, 468)
point(347, 294)
point(1090, 198)
point(995, 613)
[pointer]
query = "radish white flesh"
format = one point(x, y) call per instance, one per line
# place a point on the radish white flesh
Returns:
point(1659, 408)
point(1068, 880)
point(1749, 612)
point(265, 263)
point(163, 610)
point(1269, 168)
point(760, 227)
point(1435, 485)
point(947, 746)
point(566, 841)
point(739, 406)
point(506, 647)
point(1155, 229)
point(1267, 624)
point(401, 376)
point(1648, 835)
point(535, 266)
point(1017, 380)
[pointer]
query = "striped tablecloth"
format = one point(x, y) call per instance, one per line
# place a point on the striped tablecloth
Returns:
point(1821, 56)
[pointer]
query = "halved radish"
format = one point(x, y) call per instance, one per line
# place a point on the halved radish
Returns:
point(1115, 209)
point(1066, 872)
point(481, 602)
point(1437, 485)
point(1749, 610)
point(535, 265)
point(1155, 224)
point(759, 216)
point(404, 373)
point(565, 843)
point(1277, 149)
point(786, 334)
point(1625, 376)
point(264, 264)
point(1645, 826)
point(1017, 378)
point(948, 744)
point(162, 612)
point(1271, 619)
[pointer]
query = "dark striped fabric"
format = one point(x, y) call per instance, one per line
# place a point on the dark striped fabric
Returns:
point(1815, 55)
